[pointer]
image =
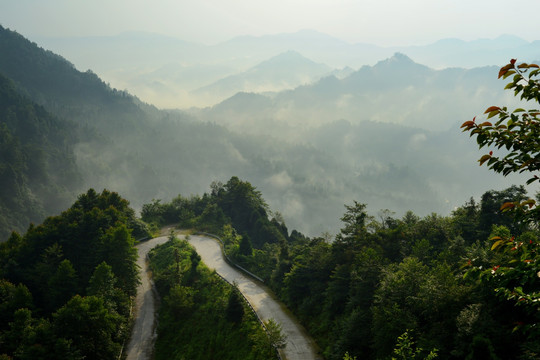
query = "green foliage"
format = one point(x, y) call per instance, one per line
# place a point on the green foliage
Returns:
point(180, 301)
point(76, 272)
point(90, 327)
point(516, 131)
point(12, 298)
point(275, 335)
point(37, 168)
point(229, 210)
point(481, 348)
point(514, 270)
point(355, 220)
point(406, 349)
point(235, 308)
point(245, 247)
point(202, 317)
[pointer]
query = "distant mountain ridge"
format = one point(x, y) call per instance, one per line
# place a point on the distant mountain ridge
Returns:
point(284, 71)
point(395, 90)
point(164, 70)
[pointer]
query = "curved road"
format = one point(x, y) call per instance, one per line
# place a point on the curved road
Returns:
point(143, 334)
point(299, 345)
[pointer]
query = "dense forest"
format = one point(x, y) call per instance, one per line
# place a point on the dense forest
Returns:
point(67, 284)
point(38, 174)
point(431, 278)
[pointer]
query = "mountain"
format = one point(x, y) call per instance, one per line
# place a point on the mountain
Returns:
point(38, 173)
point(475, 53)
point(310, 149)
point(165, 71)
point(53, 82)
point(395, 90)
point(284, 71)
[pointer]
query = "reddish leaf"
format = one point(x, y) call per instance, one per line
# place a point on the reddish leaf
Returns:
point(491, 109)
point(504, 70)
point(483, 159)
point(467, 124)
point(507, 205)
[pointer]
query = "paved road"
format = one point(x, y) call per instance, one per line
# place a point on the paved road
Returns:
point(143, 335)
point(299, 345)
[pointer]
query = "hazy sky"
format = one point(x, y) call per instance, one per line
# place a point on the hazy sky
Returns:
point(383, 22)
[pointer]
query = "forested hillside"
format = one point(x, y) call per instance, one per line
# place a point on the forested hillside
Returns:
point(38, 173)
point(66, 285)
point(383, 276)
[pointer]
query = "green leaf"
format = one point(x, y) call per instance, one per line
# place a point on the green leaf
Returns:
point(509, 86)
point(508, 73)
point(492, 114)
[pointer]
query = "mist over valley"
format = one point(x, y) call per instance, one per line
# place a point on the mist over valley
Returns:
point(314, 123)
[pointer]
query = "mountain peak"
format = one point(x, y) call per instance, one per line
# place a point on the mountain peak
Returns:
point(398, 60)
point(400, 57)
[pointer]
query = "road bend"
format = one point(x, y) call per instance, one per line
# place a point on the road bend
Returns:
point(299, 345)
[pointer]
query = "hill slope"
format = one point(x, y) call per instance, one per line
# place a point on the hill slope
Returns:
point(38, 173)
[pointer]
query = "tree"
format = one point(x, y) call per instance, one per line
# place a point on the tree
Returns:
point(406, 349)
point(275, 336)
point(62, 285)
point(12, 297)
point(121, 255)
point(180, 300)
point(93, 330)
point(245, 247)
point(103, 284)
point(355, 220)
point(235, 309)
point(515, 276)
point(516, 131)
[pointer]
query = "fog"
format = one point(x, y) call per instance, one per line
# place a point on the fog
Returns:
point(309, 136)
point(313, 122)
point(172, 73)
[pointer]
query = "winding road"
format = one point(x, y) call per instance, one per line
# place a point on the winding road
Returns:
point(299, 345)
point(143, 334)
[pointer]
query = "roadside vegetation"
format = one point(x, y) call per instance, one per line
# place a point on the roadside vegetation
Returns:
point(201, 316)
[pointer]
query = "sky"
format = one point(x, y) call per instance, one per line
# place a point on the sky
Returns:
point(381, 22)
